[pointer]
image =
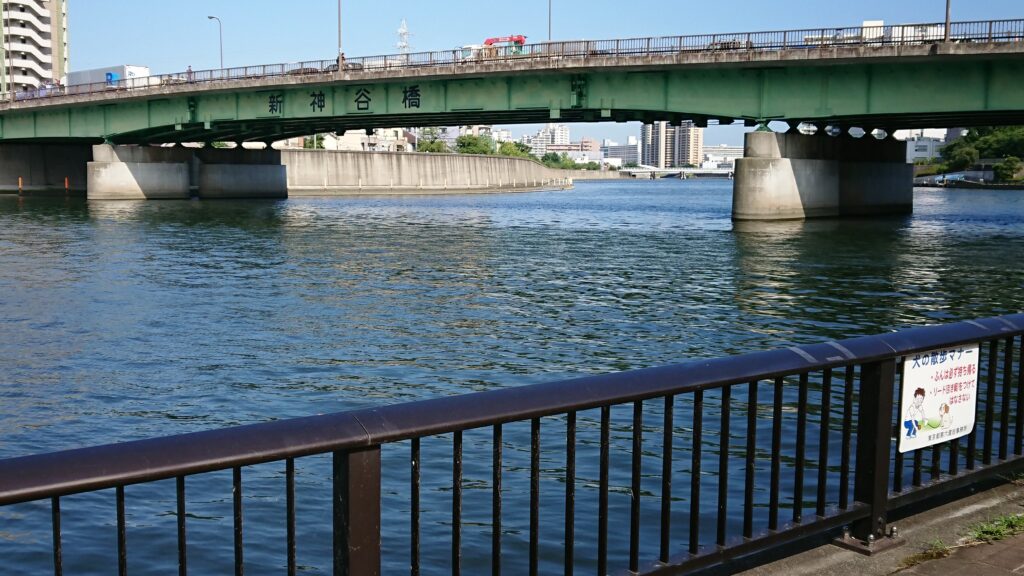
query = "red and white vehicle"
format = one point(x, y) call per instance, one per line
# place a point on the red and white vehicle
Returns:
point(489, 49)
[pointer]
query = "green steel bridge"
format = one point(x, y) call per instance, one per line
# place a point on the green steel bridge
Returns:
point(886, 77)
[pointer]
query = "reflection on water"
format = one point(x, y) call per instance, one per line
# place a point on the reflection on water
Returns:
point(135, 319)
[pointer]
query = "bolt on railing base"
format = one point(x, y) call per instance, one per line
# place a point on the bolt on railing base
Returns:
point(871, 546)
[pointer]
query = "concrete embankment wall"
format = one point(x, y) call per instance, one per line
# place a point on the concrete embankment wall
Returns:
point(108, 172)
point(43, 168)
point(329, 172)
point(792, 176)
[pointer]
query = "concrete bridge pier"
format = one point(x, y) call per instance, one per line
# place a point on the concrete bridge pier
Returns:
point(146, 172)
point(794, 176)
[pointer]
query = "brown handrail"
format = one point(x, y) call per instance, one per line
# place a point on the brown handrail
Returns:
point(60, 473)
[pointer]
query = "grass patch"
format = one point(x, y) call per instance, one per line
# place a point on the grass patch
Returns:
point(934, 551)
point(997, 529)
point(983, 533)
point(1017, 479)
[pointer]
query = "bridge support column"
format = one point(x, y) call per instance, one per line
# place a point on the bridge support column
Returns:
point(138, 173)
point(243, 181)
point(145, 172)
point(240, 173)
point(793, 176)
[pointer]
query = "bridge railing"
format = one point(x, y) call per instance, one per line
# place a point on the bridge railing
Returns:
point(807, 39)
point(654, 470)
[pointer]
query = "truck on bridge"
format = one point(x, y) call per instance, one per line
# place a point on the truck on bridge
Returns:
point(489, 49)
point(115, 76)
point(876, 32)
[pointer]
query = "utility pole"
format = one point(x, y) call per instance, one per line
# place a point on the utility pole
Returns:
point(220, 27)
point(947, 20)
point(549, 20)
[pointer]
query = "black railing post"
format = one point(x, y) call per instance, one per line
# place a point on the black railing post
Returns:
point(874, 438)
point(357, 512)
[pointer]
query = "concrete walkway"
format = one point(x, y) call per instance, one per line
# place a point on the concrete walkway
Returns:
point(997, 559)
point(948, 523)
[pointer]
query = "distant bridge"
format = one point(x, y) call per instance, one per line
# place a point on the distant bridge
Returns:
point(652, 172)
point(887, 77)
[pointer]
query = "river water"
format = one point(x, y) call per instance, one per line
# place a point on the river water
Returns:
point(121, 321)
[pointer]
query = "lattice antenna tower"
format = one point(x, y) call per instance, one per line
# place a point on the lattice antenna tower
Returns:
point(403, 38)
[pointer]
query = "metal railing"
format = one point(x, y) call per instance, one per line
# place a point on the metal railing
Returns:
point(816, 453)
point(811, 39)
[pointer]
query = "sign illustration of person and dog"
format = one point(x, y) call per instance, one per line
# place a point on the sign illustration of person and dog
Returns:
point(939, 396)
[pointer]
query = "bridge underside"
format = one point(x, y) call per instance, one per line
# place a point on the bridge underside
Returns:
point(895, 94)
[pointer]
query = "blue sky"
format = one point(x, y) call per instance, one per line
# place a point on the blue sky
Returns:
point(169, 35)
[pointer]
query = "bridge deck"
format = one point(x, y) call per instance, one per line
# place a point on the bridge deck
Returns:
point(845, 77)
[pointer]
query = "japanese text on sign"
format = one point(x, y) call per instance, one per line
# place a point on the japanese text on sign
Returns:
point(363, 99)
point(939, 396)
point(317, 101)
point(411, 96)
point(275, 103)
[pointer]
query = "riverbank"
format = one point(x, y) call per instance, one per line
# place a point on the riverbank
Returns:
point(960, 184)
point(985, 185)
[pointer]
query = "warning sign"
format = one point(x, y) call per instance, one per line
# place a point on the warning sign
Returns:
point(939, 396)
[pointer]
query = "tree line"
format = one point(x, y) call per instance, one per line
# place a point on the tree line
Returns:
point(430, 141)
point(1005, 143)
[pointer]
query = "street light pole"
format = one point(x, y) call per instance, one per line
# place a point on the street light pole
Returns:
point(339, 27)
point(220, 28)
point(947, 20)
point(549, 20)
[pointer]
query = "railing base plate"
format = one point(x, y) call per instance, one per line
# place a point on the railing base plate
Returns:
point(869, 548)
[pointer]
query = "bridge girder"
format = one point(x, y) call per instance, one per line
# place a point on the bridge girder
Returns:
point(892, 94)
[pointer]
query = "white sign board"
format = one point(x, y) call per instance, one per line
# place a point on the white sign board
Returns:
point(939, 396)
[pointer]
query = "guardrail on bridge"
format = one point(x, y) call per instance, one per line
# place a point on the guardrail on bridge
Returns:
point(809, 39)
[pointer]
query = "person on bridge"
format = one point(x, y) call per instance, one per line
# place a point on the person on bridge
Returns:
point(188, 73)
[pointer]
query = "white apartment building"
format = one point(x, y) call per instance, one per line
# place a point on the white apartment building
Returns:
point(557, 134)
point(502, 135)
point(33, 43)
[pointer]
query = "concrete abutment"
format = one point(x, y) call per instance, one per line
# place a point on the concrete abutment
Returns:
point(148, 172)
point(793, 176)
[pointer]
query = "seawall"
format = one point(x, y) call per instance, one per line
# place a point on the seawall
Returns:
point(330, 172)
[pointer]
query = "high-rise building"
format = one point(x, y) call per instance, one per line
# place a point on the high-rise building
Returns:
point(658, 143)
point(33, 43)
point(666, 146)
point(689, 147)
